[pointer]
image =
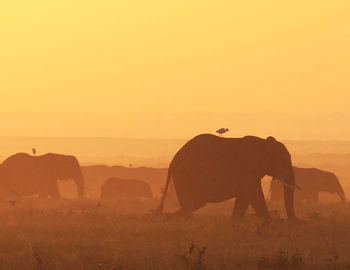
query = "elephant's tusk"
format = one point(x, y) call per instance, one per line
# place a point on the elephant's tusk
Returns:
point(290, 186)
point(83, 186)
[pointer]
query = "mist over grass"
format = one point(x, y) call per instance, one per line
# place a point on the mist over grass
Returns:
point(153, 152)
point(72, 234)
point(89, 234)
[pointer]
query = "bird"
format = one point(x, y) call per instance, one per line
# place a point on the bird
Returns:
point(222, 130)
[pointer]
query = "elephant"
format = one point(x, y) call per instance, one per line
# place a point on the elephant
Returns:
point(32, 175)
point(96, 175)
point(116, 188)
point(311, 182)
point(210, 169)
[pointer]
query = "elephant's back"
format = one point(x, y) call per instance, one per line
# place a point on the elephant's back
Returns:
point(25, 172)
point(125, 188)
point(28, 164)
point(21, 165)
point(24, 164)
point(201, 146)
point(17, 158)
point(215, 153)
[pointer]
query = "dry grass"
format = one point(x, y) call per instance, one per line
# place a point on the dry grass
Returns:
point(86, 235)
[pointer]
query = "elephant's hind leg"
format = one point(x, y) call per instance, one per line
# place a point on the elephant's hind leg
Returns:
point(188, 201)
point(250, 194)
point(240, 207)
point(188, 208)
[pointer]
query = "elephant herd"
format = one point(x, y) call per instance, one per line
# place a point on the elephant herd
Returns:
point(24, 175)
point(207, 169)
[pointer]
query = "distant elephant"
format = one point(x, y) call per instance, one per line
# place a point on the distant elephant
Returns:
point(210, 169)
point(116, 188)
point(31, 175)
point(96, 175)
point(311, 181)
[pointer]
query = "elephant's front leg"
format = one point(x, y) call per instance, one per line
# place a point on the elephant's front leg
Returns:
point(54, 191)
point(250, 192)
point(243, 198)
point(241, 206)
point(259, 204)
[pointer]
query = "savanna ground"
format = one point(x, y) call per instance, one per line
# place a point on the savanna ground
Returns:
point(72, 234)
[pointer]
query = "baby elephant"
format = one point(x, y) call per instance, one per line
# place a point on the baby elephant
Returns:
point(311, 181)
point(117, 188)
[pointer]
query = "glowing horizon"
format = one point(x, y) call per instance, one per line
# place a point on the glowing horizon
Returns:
point(126, 65)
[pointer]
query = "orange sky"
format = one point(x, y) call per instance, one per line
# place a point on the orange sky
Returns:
point(182, 67)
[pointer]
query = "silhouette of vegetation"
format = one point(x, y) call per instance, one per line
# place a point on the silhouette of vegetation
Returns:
point(83, 234)
point(194, 258)
point(281, 261)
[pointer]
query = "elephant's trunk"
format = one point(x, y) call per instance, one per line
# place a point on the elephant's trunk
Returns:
point(289, 195)
point(341, 193)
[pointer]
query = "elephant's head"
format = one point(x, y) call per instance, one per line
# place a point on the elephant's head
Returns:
point(279, 165)
point(67, 167)
point(330, 183)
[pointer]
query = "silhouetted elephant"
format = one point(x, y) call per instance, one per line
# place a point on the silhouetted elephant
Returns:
point(96, 175)
point(116, 188)
point(210, 169)
point(31, 175)
point(311, 181)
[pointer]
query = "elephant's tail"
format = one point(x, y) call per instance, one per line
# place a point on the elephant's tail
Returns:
point(161, 205)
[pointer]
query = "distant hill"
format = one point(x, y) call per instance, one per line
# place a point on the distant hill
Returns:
point(96, 175)
point(149, 152)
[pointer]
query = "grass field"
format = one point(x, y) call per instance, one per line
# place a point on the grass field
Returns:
point(72, 234)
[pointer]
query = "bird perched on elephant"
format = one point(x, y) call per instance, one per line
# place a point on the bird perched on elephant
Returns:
point(32, 175)
point(311, 181)
point(117, 188)
point(210, 169)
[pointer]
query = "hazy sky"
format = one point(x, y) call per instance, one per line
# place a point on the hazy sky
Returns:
point(160, 68)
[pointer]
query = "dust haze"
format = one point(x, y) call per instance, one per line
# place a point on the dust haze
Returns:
point(110, 227)
point(180, 135)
